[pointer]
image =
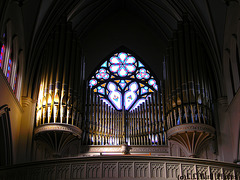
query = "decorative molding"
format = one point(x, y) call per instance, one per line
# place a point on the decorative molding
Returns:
point(58, 127)
point(26, 101)
point(190, 127)
point(192, 137)
point(117, 167)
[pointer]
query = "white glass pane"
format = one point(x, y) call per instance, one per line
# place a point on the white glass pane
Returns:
point(133, 86)
point(130, 68)
point(116, 98)
point(122, 56)
point(130, 60)
point(114, 68)
point(122, 72)
point(112, 86)
point(115, 60)
point(129, 99)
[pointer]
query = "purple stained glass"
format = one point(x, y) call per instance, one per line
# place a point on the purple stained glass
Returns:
point(9, 69)
point(144, 90)
point(122, 64)
point(2, 55)
point(92, 82)
point(152, 82)
point(101, 90)
point(102, 74)
point(142, 74)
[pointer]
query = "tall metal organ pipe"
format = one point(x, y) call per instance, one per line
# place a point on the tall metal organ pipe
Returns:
point(188, 92)
point(60, 79)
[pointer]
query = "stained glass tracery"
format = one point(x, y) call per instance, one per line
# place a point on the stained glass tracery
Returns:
point(123, 81)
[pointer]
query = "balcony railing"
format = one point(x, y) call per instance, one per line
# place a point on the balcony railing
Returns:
point(127, 167)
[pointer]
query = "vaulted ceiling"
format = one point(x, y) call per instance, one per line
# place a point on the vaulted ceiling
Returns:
point(119, 22)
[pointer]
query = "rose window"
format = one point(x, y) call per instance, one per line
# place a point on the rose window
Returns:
point(123, 82)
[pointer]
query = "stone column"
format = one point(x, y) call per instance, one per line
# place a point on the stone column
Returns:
point(26, 129)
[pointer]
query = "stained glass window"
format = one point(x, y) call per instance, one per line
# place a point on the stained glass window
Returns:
point(2, 55)
point(123, 81)
point(15, 83)
point(9, 69)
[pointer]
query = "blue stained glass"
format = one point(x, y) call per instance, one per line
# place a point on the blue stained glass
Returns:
point(101, 90)
point(92, 82)
point(155, 86)
point(104, 64)
point(122, 65)
point(144, 90)
point(152, 82)
point(140, 64)
point(122, 84)
point(2, 54)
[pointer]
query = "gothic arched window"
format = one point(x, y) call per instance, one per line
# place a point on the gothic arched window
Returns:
point(123, 81)
point(2, 55)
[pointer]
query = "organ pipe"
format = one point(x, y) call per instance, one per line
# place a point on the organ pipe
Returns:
point(55, 102)
point(188, 92)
